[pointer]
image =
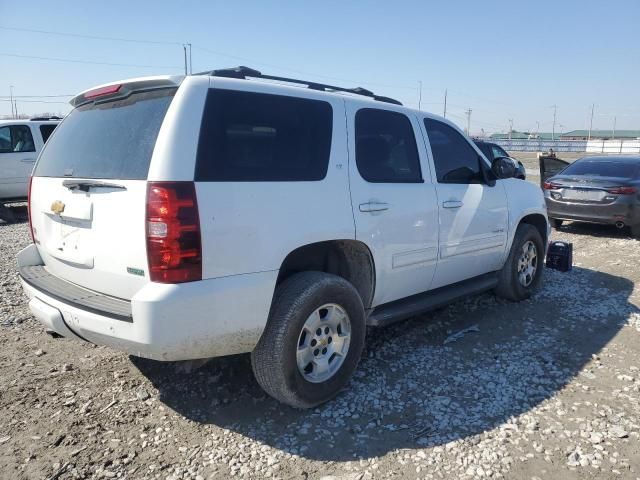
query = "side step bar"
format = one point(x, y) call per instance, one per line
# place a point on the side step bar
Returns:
point(398, 310)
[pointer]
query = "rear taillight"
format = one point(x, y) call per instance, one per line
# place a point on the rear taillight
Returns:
point(550, 186)
point(102, 91)
point(622, 190)
point(173, 232)
point(33, 237)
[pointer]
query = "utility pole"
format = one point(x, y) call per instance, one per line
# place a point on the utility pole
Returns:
point(613, 137)
point(13, 113)
point(419, 94)
point(537, 129)
point(553, 131)
point(510, 127)
point(468, 114)
point(184, 48)
point(445, 103)
point(593, 105)
point(190, 63)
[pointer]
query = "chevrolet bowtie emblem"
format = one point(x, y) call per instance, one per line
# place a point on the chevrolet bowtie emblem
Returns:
point(57, 207)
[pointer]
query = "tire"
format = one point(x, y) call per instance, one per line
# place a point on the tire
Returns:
point(6, 214)
point(510, 285)
point(556, 223)
point(275, 359)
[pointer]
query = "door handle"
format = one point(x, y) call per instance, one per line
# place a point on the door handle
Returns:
point(28, 160)
point(373, 207)
point(452, 204)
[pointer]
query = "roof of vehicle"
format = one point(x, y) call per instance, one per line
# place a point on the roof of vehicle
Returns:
point(611, 158)
point(22, 121)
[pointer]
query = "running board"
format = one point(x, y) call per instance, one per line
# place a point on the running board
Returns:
point(402, 309)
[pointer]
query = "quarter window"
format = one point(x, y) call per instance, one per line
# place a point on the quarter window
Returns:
point(256, 137)
point(46, 131)
point(16, 138)
point(456, 161)
point(386, 150)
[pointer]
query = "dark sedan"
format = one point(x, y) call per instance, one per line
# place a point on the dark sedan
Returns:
point(493, 151)
point(596, 190)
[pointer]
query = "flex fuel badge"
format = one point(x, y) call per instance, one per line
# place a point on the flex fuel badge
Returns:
point(135, 271)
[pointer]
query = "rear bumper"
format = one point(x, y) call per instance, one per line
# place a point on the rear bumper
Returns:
point(628, 213)
point(203, 319)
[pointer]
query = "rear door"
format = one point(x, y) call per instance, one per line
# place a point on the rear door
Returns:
point(473, 214)
point(17, 157)
point(393, 200)
point(550, 166)
point(89, 191)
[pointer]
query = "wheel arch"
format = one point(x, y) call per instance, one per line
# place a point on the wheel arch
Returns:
point(349, 259)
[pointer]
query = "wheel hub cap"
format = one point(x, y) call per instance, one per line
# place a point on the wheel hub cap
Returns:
point(527, 263)
point(323, 343)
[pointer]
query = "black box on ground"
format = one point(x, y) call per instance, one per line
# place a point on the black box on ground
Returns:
point(560, 256)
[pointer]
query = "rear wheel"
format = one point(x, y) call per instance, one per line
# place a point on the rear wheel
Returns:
point(556, 223)
point(313, 340)
point(522, 272)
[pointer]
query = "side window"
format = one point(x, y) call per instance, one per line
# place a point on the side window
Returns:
point(386, 150)
point(5, 140)
point(498, 152)
point(257, 137)
point(46, 131)
point(455, 160)
point(16, 138)
point(21, 139)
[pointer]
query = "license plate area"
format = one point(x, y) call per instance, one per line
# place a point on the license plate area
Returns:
point(583, 194)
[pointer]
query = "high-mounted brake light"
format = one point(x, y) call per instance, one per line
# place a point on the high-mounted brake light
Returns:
point(622, 190)
point(33, 238)
point(99, 92)
point(550, 186)
point(173, 232)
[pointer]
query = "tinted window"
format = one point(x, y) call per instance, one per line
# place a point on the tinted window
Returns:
point(498, 151)
point(455, 159)
point(603, 168)
point(16, 138)
point(486, 149)
point(256, 137)
point(386, 150)
point(46, 131)
point(112, 140)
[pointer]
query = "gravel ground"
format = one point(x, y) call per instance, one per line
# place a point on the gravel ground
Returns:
point(548, 388)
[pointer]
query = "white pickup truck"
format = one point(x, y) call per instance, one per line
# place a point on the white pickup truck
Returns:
point(20, 144)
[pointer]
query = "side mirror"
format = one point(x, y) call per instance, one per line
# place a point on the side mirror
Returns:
point(503, 167)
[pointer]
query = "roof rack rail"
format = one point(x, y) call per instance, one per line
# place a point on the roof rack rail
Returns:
point(242, 72)
point(39, 119)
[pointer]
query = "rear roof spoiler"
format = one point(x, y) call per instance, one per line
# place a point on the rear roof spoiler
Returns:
point(124, 88)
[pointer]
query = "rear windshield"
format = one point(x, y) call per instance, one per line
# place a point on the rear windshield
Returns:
point(112, 140)
point(603, 168)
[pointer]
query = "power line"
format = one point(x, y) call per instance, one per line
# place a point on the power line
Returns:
point(37, 96)
point(31, 101)
point(93, 37)
point(90, 62)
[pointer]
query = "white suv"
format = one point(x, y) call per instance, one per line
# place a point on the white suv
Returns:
point(20, 143)
point(191, 217)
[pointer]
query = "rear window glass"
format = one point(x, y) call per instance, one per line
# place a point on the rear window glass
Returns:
point(256, 137)
point(603, 169)
point(112, 140)
point(46, 131)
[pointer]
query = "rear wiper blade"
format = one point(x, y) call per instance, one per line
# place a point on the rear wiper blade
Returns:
point(85, 185)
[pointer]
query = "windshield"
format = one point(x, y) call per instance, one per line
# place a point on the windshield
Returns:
point(110, 140)
point(603, 168)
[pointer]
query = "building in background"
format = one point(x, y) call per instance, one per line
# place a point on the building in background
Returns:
point(601, 135)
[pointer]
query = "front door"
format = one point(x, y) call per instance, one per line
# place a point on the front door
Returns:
point(473, 212)
point(394, 202)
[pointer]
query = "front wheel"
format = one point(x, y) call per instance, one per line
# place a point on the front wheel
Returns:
point(313, 339)
point(522, 272)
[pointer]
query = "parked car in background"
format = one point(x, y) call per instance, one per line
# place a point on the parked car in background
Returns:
point(180, 218)
point(493, 151)
point(20, 144)
point(602, 189)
